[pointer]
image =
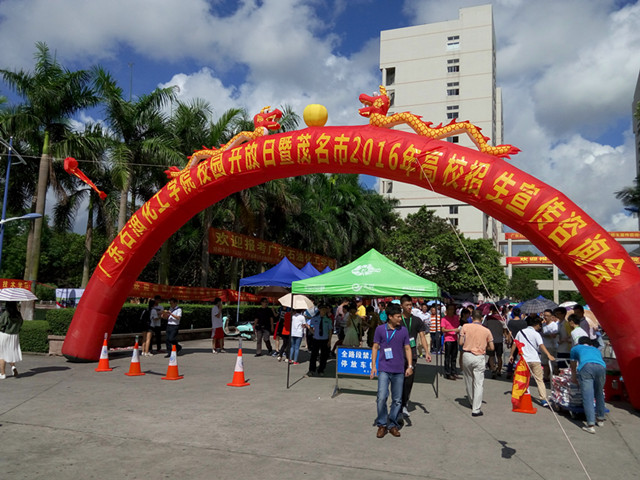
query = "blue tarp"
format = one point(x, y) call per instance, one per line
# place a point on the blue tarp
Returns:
point(281, 275)
point(310, 270)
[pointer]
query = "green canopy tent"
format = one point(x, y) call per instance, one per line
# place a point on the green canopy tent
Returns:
point(372, 275)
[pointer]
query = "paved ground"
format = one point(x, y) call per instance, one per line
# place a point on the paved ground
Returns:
point(62, 420)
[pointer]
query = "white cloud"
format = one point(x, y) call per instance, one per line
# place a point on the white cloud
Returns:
point(568, 69)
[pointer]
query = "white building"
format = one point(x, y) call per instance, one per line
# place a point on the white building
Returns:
point(442, 71)
point(636, 128)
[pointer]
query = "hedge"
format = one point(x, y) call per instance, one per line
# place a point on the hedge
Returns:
point(128, 321)
point(33, 336)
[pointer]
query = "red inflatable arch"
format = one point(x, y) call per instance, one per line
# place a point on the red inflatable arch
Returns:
point(599, 266)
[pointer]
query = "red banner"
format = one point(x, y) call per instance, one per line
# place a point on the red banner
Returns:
point(519, 236)
point(521, 378)
point(542, 260)
point(13, 283)
point(223, 242)
point(201, 294)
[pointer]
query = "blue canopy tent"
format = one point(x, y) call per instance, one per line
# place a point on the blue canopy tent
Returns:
point(327, 269)
point(310, 270)
point(281, 275)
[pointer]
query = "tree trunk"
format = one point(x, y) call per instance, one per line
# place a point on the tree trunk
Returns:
point(34, 254)
point(88, 240)
point(234, 273)
point(165, 260)
point(204, 259)
point(124, 193)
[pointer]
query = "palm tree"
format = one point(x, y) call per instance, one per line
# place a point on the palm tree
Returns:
point(91, 145)
point(52, 94)
point(140, 138)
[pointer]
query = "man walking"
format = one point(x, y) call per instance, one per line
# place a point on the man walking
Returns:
point(474, 339)
point(532, 341)
point(392, 340)
point(263, 326)
point(321, 326)
point(415, 327)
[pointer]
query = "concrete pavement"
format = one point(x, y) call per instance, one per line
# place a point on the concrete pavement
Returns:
point(62, 420)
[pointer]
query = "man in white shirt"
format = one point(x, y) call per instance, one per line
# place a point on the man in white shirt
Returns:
point(173, 316)
point(532, 341)
point(217, 332)
point(577, 331)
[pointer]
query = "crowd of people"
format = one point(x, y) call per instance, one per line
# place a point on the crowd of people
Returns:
point(471, 341)
point(399, 333)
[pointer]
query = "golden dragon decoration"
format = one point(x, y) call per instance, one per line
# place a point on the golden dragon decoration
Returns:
point(376, 108)
point(264, 121)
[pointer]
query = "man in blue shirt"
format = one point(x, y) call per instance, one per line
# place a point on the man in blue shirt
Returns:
point(322, 328)
point(591, 371)
point(392, 341)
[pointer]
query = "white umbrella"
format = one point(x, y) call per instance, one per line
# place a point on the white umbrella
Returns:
point(16, 295)
point(297, 302)
point(568, 304)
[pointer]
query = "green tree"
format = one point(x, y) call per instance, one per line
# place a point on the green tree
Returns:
point(51, 94)
point(428, 246)
point(139, 138)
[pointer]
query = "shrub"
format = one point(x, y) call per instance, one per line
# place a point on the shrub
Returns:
point(128, 321)
point(33, 336)
point(59, 320)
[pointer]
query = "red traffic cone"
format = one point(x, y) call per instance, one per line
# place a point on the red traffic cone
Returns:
point(525, 405)
point(134, 368)
point(172, 371)
point(238, 372)
point(103, 364)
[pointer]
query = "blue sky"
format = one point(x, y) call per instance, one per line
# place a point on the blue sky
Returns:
point(568, 69)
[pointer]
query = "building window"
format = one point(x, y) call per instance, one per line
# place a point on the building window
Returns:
point(387, 186)
point(453, 65)
point(453, 42)
point(455, 139)
point(453, 114)
point(453, 221)
point(453, 209)
point(392, 97)
point(391, 76)
point(452, 88)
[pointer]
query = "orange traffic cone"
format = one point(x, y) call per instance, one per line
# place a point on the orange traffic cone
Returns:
point(103, 364)
point(525, 405)
point(238, 372)
point(172, 371)
point(134, 368)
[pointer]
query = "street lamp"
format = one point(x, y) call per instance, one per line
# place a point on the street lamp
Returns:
point(3, 220)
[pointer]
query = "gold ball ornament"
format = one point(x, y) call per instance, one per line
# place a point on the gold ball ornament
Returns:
point(315, 115)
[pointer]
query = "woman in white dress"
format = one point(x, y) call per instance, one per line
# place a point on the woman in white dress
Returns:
point(10, 324)
point(353, 327)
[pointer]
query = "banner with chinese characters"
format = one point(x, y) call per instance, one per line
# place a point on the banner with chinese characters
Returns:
point(13, 283)
point(201, 294)
point(616, 235)
point(353, 361)
point(543, 260)
point(223, 242)
point(598, 264)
